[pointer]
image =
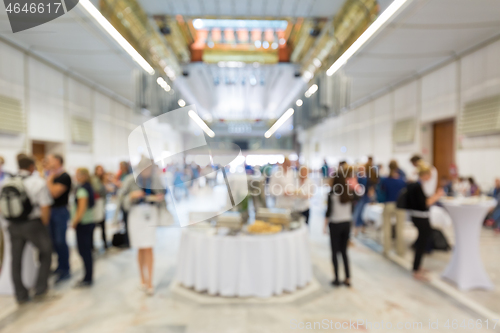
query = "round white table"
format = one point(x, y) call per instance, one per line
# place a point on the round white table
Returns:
point(466, 268)
point(244, 265)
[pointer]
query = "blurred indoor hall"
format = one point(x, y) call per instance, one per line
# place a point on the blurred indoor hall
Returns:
point(199, 166)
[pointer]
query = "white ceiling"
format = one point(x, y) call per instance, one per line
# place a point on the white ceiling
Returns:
point(423, 35)
point(76, 44)
point(243, 8)
point(426, 33)
point(234, 97)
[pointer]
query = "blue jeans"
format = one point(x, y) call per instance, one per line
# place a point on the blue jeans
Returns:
point(59, 217)
point(84, 234)
point(496, 216)
point(358, 211)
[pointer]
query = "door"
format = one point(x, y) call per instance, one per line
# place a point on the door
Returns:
point(38, 149)
point(444, 147)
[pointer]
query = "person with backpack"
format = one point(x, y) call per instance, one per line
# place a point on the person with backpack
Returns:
point(83, 222)
point(25, 203)
point(59, 184)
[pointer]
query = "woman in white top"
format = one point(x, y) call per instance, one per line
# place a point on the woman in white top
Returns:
point(304, 193)
point(282, 186)
point(142, 198)
point(338, 218)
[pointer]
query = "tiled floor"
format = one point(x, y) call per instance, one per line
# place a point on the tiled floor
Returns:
point(382, 291)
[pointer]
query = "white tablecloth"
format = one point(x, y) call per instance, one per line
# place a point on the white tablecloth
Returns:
point(244, 265)
point(29, 268)
point(439, 218)
point(466, 268)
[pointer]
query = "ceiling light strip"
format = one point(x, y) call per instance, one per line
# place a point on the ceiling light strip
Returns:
point(94, 12)
point(279, 122)
point(201, 123)
point(312, 89)
point(366, 35)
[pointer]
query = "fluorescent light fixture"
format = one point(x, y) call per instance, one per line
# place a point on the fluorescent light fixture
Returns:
point(307, 76)
point(317, 62)
point(312, 89)
point(181, 103)
point(279, 122)
point(299, 102)
point(201, 23)
point(162, 83)
point(170, 72)
point(231, 64)
point(198, 24)
point(96, 14)
point(365, 36)
point(201, 123)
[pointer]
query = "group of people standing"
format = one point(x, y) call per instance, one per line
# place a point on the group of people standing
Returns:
point(352, 188)
point(42, 219)
point(36, 203)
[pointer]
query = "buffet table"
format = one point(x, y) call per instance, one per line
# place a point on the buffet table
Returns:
point(244, 265)
point(466, 268)
point(28, 268)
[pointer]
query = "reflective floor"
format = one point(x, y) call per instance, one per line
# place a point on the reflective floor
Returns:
point(382, 291)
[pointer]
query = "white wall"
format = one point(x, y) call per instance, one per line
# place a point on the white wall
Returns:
point(49, 99)
point(436, 96)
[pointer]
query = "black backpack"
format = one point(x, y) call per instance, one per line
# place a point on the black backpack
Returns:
point(14, 202)
point(402, 202)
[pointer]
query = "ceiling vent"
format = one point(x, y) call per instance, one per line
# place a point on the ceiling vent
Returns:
point(12, 115)
point(480, 117)
point(403, 131)
point(81, 130)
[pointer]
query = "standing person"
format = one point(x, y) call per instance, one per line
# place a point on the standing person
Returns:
point(474, 188)
point(282, 185)
point(304, 193)
point(99, 187)
point(123, 173)
point(142, 198)
point(338, 218)
point(83, 222)
point(59, 184)
point(418, 204)
point(391, 187)
point(431, 185)
point(3, 175)
point(495, 215)
point(324, 169)
point(28, 225)
point(368, 177)
point(360, 204)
